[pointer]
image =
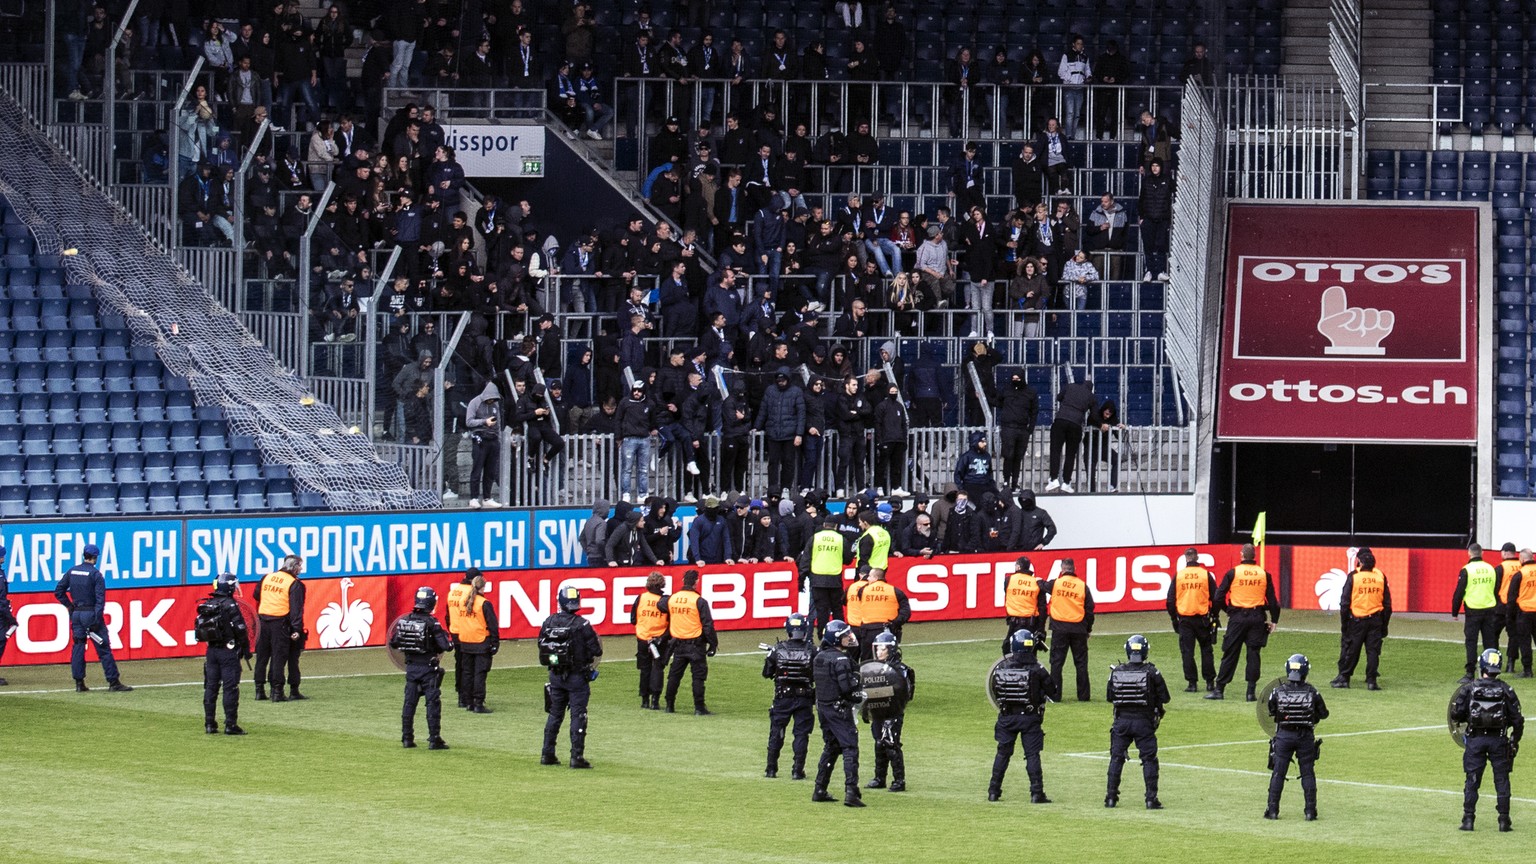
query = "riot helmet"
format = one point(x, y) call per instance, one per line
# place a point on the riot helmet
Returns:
point(426, 600)
point(797, 626)
point(1297, 667)
point(1024, 644)
point(836, 632)
point(226, 584)
point(1136, 649)
point(570, 598)
point(1491, 662)
point(884, 647)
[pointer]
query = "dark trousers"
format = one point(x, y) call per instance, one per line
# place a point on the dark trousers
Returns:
point(687, 655)
point(7, 621)
point(1066, 438)
point(544, 445)
point(810, 461)
point(83, 625)
point(886, 731)
point(221, 672)
point(927, 411)
point(1078, 642)
point(1286, 744)
point(476, 665)
point(1026, 729)
point(867, 634)
point(839, 737)
point(1360, 633)
point(652, 668)
point(826, 605)
point(734, 453)
point(1014, 444)
point(484, 465)
point(1484, 750)
point(783, 464)
point(272, 644)
point(1482, 623)
point(1197, 630)
point(421, 679)
point(567, 690)
point(787, 706)
point(458, 675)
point(1143, 730)
point(1244, 628)
point(890, 465)
point(852, 451)
point(1520, 647)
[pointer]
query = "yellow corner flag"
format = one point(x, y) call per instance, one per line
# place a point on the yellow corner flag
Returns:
point(1258, 529)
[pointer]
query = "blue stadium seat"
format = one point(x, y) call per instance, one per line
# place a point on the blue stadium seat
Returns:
point(250, 495)
point(125, 438)
point(162, 498)
point(38, 470)
point(158, 467)
point(101, 499)
point(72, 500)
point(216, 466)
point(11, 466)
point(13, 501)
point(69, 468)
point(156, 437)
point(43, 500)
point(221, 496)
point(133, 498)
point(192, 496)
point(187, 466)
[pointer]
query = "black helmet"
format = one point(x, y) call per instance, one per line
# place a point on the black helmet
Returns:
point(1490, 662)
point(832, 637)
point(1136, 649)
point(225, 584)
point(570, 598)
point(1297, 667)
point(1024, 644)
point(886, 640)
point(797, 626)
point(426, 599)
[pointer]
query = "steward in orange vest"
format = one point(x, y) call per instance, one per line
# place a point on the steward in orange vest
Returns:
point(1522, 611)
point(1509, 567)
point(1365, 612)
point(1023, 602)
point(1247, 593)
point(692, 630)
point(280, 610)
point(471, 621)
point(651, 641)
point(1192, 609)
point(1071, 613)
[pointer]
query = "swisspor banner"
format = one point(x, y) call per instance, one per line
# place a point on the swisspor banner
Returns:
point(1353, 322)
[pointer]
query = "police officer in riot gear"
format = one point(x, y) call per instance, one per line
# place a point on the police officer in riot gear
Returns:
point(569, 648)
point(1296, 707)
point(84, 590)
point(1192, 609)
point(691, 629)
point(1020, 686)
point(1138, 692)
point(651, 641)
point(823, 562)
point(1365, 612)
point(1477, 587)
point(1491, 711)
point(476, 639)
point(1247, 593)
point(280, 615)
point(1023, 601)
point(789, 665)
point(221, 626)
point(885, 720)
point(837, 690)
point(421, 639)
point(7, 617)
point(1071, 613)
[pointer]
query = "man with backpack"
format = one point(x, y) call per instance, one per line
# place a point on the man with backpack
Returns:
point(569, 649)
point(221, 626)
point(1490, 710)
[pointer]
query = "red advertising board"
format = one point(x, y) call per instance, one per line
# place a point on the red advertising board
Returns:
point(1353, 322)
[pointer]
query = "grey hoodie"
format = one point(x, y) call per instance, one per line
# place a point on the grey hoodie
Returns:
point(593, 536)
point(482, 408)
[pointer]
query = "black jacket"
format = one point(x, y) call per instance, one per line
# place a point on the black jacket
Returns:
point(1036, 528)
point(1019, 406)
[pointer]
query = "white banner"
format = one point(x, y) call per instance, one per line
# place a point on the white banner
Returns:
point(497, 149)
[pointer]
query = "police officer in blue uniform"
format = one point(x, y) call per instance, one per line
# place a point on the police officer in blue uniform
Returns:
point(421, 639)
point(1297, 708)
point(1020, 686)
point(220, 625)
point(7, 617)
point(569, 648)
point(1491, 711)
point(84, 590)
point(885, 723)
point(789, 665)
point(1138, 692)
point(837, 689)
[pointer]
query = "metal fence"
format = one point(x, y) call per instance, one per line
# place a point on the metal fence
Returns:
point(1195, 204)
point(469, 104)
point(1344, 41)
point(1286, 138)
point(28, 84)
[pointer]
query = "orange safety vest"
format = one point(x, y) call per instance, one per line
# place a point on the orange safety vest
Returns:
point(470, 627)
point(1248, 589)
point(1369, 588)
point(1527, 598)
point(1507, 570)
point(650, 621)
point(456, 597)
point(1068, 599)
point(853, 607)
point(274, 593)
point(683, 620)
point(1023, 597)
point(877, 603)
point(1192, 591)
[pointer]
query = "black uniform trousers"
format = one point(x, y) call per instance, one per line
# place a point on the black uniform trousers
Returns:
point(476, 665)
point(1299, 743)
point(687, 654)
point(221, 671)
point(7, 621)
point(423, 677)
point(1025, 727)
point(1197, 630)
point(1484, 749)
point(839, 737)
point(652, 668)
point(1525, 625)
point(790, 705)
point(1245, 627)
point(273, 643)
point(826, 605)
point(1066, 439)
point(1142, 729)
point(1078, 642)
point(1013, 446)
point(886, 730)
point(567, 690)
point(1482, 623)
point(484, 465)
point(458, 675)
point(1360, 633)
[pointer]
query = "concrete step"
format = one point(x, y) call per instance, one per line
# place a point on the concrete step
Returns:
point(1395, 75)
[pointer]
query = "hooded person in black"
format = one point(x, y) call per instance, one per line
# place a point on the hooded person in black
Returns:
point(1016, 414)
point(735, 432)
point(626, 545)
point(962, 534)
point(973, 471)
point(998, 524)
point(1036, 529)
point(1073, 404)
point(891, 441)
point(661, 530)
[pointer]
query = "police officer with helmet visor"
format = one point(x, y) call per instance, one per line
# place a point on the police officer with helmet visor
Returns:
point(1138, 692)
point(220, 624)
point(789, 665)
point(421, 639)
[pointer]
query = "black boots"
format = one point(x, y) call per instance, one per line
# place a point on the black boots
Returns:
point(261, 693)
point(579, 762)
point(1214, 693)
point(1370, 684)
point(1111, 801)
point(295, 696)
point(821, 796)
point(437, 743)
point(119, 687)
point(1038, 798)
point(1339, 683)
point(210, 727)
point(700, 711)
point(1249, 696)
point(1466, 822)
point(1153, 803)
point(851, 797)
point(233, 729)
point(1192, 688)
point(1504, 823)
point(479, 708)
point(548, 759)
point(80, 686)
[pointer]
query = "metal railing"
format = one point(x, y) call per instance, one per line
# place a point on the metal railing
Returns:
point(1447, 105)
point(1286, 138)
point(1344, 45)
point(469, 104)
point(1192, 233)
point(28, 84)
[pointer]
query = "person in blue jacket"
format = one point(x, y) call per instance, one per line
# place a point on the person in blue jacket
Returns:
point(84, 590)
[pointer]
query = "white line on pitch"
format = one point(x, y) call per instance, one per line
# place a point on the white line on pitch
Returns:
point(1161, 749)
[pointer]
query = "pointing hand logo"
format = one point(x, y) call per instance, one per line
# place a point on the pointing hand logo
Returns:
point(1353, 330)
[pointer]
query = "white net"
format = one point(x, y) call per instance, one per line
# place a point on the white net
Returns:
point(103, 246)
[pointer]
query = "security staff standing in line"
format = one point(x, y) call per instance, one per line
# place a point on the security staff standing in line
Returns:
point(651, 642)
point(1296, 707)
point(221, 626)
point(421, 639)
point(882, 607)
point(1477, 587)
point(280, 612)
point(1023, 602)
point(1522, 610)
point(1365, 613)
point(824, 561)
point(885, 723)
point(1509, 566)
point(7, 617)
point(84, 590)
point(873, 548)
point(1247, 592)
point(1071, 611)
point(837, 689)
point(569, 648)
point(476, 639)
point(789, 665)
point(1021, 686)
point(1491, 710)
point(691, 628)
point(1137, 691)
point(1192, 609)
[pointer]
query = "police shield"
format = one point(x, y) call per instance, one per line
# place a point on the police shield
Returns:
point(1266, 722)
point(252, 625)
point(396, 656)
point(991, 679)
point(884, 688)
point(1457, 729)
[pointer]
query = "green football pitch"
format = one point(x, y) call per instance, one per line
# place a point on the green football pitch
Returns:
point(131, 777)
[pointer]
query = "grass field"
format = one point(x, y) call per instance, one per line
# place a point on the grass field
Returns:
point(131, 777)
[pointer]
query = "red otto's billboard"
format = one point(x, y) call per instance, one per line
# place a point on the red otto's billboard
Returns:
point(1350, 323)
